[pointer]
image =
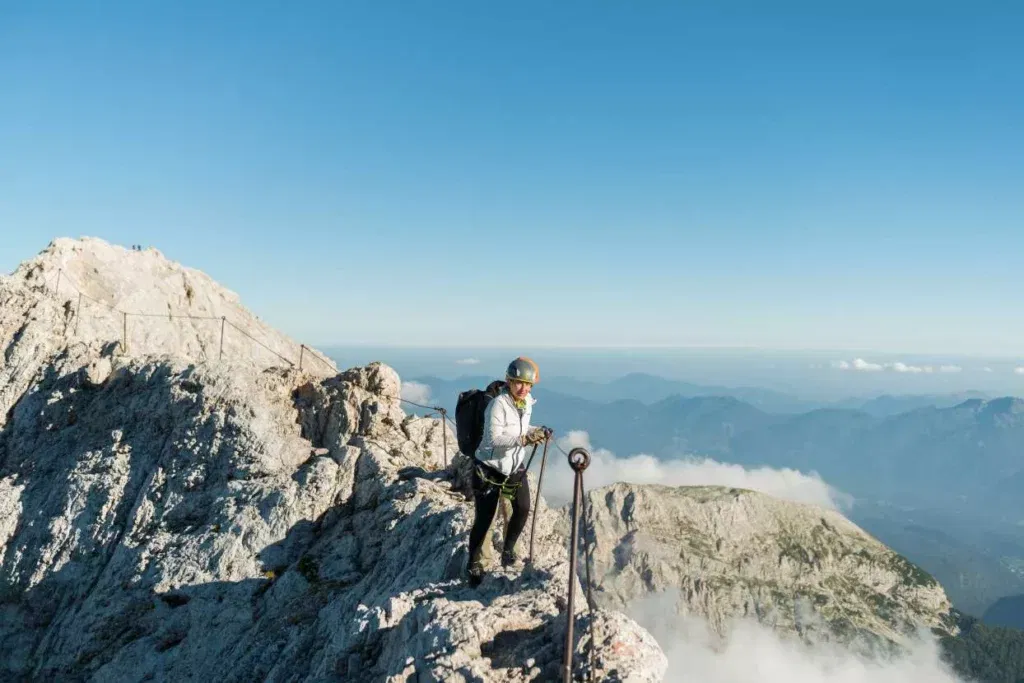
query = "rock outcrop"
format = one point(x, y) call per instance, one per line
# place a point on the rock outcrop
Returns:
point(79, 292)
point(171, 516)
point(733, 553)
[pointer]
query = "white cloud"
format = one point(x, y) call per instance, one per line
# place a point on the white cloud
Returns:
point(915, 369)
point(1018, 371)
point(900, 367)
point(750, 651)
point(986, 369)
point(864, 366)
point(467, 361)
point(605, 468)
point(416, 392)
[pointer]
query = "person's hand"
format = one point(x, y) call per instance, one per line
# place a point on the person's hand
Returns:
point(535, 435)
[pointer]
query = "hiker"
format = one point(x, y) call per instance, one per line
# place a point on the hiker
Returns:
point(500, 467)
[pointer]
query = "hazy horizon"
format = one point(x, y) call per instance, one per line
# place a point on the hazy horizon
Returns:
point(812, 375)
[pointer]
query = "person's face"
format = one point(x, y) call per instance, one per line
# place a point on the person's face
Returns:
point(519, 389)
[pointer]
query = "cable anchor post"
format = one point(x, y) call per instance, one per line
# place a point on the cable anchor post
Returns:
point(579, 460)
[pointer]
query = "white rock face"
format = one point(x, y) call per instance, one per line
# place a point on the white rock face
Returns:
point(736, 553)
point(171, 310)
point(171, 516)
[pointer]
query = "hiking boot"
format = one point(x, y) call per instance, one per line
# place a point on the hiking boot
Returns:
point(476, 574)
point(510, 559)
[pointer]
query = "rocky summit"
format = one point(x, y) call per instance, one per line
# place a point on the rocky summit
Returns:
point(187, 494)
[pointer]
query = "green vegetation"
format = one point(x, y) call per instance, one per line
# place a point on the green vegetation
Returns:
point(911, 573)
point(986, 654)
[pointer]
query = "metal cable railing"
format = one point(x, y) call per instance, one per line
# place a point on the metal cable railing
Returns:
point(304, 352)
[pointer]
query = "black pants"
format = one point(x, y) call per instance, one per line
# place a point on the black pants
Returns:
point(487, 496)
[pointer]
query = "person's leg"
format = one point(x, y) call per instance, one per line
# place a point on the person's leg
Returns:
point(485, 498)
point(520, 514)
point(499, 528)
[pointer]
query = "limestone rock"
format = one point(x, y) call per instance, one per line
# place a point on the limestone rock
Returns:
point(181, 526)
point(78, 292)
point(734, 553)
point(174, 516)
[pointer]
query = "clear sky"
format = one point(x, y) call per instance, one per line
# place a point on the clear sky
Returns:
point(460, 173)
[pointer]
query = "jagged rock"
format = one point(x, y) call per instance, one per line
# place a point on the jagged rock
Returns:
point(165, 516)
point(195, 482)
point(734, 553)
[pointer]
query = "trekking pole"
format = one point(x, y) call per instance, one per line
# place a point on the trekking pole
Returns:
point(536, 500)
point(579, 460)
point(444, 434)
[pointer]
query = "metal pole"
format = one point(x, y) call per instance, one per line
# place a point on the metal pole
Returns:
point(536, 501)
point(444, 434)
point(588, 553)
point(579, 459)
point(302, 351)
point(78, 312)
point(221, 357)
point(124, 333)
point(56, 289)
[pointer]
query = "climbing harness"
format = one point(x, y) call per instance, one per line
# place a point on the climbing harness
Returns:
point(508, 490)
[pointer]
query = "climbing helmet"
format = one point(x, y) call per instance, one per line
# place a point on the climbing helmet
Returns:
point(524, 370)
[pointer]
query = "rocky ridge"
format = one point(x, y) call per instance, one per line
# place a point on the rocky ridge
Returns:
point(182, 518)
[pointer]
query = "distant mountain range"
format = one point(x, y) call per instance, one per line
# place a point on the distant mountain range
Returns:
point(941, 449)
point(649, 389)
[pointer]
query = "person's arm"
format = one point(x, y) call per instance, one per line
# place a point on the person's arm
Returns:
point(500, 432)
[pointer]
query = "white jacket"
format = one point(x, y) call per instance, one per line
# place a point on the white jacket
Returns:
point(503, 425)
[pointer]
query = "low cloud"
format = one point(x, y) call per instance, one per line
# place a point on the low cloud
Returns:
point(986, 369)
point(416, 392)
point(749, 651)
point(606, 468)
point(1018, 371)
point(902, 367)
point(468, 361)
point(861, 365)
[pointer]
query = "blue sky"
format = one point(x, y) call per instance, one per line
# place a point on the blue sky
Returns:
point(586, 173)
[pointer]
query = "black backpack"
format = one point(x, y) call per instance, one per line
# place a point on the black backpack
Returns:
point(469, 416)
